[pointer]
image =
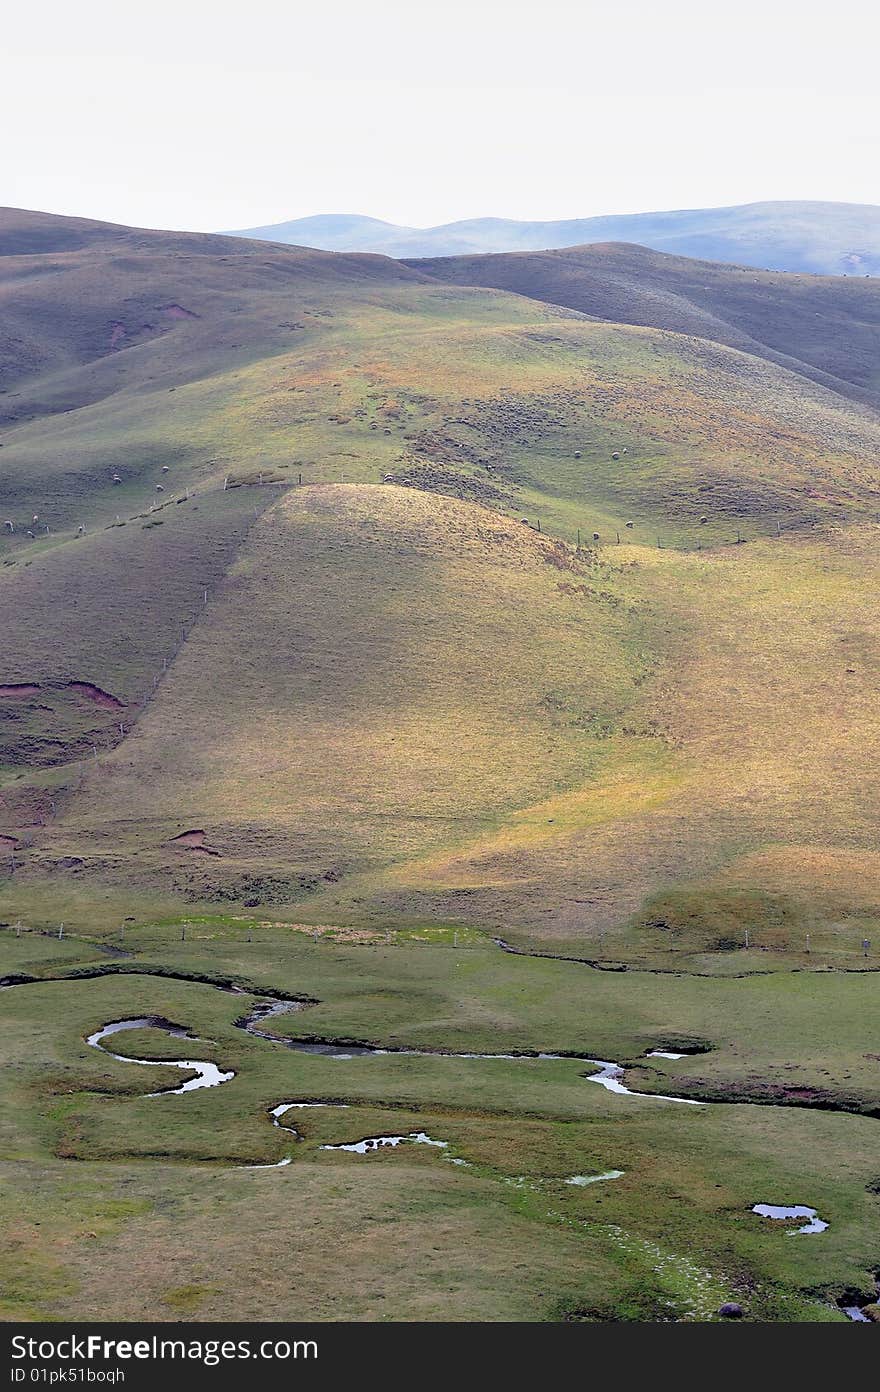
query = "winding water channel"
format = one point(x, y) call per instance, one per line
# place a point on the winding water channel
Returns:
point(205, 1073)
point(608, 1075)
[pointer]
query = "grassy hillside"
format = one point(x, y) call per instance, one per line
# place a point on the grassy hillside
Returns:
point(170, 362)
point(755, 794)
point(351, 620)
point(357, 609)
point(366, 636)
point(108, 611)
point(826, 328)
point(120, 356)
point(421, 601)
point(493, 730)
point(807, 237)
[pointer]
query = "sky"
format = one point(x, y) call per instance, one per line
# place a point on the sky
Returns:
point(216, 116)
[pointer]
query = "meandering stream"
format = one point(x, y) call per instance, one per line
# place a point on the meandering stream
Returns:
point(608, 1075)
point(207, 1074)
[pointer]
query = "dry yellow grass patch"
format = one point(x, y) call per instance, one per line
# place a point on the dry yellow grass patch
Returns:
point(386, 670)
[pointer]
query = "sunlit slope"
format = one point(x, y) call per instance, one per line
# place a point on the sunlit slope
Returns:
point(407, 708)
point(756, 806)
point(141, 365)
point(383, 694)
point(825, 327)
point(385, 673)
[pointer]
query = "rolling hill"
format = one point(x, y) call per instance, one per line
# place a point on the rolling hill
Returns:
point(344, 593)
point(808, 237)
point(827, 329)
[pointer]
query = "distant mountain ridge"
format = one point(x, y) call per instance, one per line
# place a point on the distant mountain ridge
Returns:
point(815, 237)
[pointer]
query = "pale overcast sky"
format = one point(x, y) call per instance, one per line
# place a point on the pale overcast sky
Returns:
point(218, 115)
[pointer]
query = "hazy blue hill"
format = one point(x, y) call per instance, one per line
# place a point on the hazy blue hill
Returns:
point(332, 232)
point(821, 238)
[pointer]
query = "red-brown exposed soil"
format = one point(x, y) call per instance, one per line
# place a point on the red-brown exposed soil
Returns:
point(94, 693)
point(193, 840)
point(176, 311)
point(18, 690)
point(196, 837)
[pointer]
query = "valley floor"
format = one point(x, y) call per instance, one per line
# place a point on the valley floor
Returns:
point(129, 1201)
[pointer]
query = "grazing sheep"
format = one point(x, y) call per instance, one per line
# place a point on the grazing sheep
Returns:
point(703, 521)
point(595, 536)
point(117, 478)
point(159, 488)
point(628, 524)
point(164, 468)
point(10, 525)
point(615, 455)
